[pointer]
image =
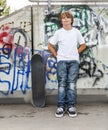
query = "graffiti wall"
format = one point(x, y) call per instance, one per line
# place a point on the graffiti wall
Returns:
point(93, 24)
point(27, 31)
point(15, 53)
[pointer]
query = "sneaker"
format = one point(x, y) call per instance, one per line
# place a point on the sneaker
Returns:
point(60, 112)
point(72, 112)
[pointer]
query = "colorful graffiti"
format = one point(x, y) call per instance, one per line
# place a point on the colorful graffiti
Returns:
point(51, 69)
point(14, 59)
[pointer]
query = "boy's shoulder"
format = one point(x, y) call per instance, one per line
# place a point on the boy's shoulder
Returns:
point(76, 29)
point(59, 30)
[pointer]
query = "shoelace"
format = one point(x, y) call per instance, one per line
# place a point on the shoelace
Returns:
point(59, 109)
point(72, 109)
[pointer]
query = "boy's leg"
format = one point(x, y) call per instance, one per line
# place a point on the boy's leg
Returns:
point(62, 78)
point(73, 69)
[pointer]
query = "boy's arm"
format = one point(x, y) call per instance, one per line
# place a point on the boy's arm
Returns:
point(81, 48)
point(52, 50)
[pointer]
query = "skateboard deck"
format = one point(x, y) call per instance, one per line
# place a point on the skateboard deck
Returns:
point(38, 80)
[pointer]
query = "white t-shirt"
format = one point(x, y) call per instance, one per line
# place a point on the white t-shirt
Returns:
point(68, 41)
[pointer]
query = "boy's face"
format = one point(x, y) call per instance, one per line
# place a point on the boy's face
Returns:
point(66, 20)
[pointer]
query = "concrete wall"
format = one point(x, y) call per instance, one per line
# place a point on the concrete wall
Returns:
point(26, 32)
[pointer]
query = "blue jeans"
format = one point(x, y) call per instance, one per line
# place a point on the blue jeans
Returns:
point(67, 74)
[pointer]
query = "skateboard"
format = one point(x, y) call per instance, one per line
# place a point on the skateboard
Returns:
point(38, 80)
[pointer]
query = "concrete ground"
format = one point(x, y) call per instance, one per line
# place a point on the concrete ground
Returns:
point(91, 116)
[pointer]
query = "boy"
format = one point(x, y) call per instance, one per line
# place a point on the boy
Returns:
point(68, 38)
